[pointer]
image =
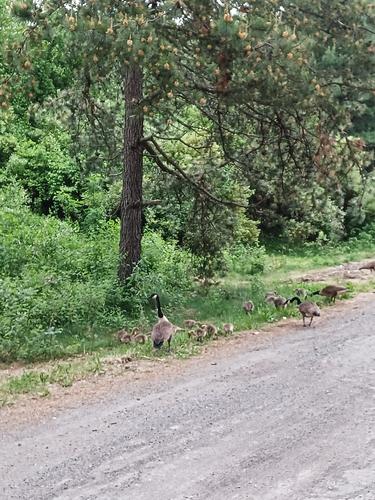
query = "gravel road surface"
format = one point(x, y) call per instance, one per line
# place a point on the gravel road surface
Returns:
point(289, 416)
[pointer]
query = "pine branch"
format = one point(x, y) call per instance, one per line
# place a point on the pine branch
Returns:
point(156, 152)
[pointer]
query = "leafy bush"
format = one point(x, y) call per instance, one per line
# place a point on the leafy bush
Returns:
point(58, 286)
point(245, 259)
point(319, 221)
point(42, 165)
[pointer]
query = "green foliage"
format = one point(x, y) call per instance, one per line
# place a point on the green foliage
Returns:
point(164, 269)
point(58, 287)
point(59, 295)
point(44, 168)
point(99, 201)
point(246, 104)
point(245, 260)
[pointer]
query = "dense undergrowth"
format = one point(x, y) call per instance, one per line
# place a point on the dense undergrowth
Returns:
point(59, 293)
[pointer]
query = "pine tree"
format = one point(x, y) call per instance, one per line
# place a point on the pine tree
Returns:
point(265, 76)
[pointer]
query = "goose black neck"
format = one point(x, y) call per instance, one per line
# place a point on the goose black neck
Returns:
point(295, 299)
point(160, 312)
point(315, 293)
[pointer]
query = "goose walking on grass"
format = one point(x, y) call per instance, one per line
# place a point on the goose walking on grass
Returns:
point(331, 291)
point(307, 309)
point(163, 330)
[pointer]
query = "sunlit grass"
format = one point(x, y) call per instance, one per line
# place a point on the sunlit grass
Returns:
point(38, 381)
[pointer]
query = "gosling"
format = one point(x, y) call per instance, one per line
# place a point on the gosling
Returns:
point(190, 323)
point(228, 328)
point(124, 337)
point(248, 306)
point(200, 333)
point(278, 301)
point(211, 330)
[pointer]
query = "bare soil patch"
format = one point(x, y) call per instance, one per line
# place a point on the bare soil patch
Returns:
point(346, 271)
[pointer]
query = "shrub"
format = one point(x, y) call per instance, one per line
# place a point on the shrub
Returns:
point(59, 292)
point(44, 168)
point(164, 269)
point(244, 259)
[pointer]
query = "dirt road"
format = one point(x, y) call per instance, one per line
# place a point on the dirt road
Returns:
point(280, 416)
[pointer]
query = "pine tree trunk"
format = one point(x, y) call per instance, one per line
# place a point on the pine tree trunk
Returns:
point(131, 197)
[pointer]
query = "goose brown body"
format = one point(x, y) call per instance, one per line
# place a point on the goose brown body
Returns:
point(307, 309)
point(248, 306)
point(163, 330)
point(331, 291)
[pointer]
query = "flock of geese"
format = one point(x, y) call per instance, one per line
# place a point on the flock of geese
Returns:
point(163, 331)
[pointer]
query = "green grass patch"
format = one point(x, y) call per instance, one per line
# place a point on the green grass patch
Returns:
point(38, 381)
point(281, 264)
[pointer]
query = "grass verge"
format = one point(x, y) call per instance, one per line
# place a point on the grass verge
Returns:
point(221, 304)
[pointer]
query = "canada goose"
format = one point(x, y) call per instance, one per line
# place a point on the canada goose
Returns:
point(140, 338)
point(369, 265)
point(190, 323)
point(123, 336)
point(211, 329)
point(163, 330)
point(200, 333)
point(279, 301)
point(301, 292)
point(307, 309)
point(248, 306)
point(330, 291)
point(228, 328)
